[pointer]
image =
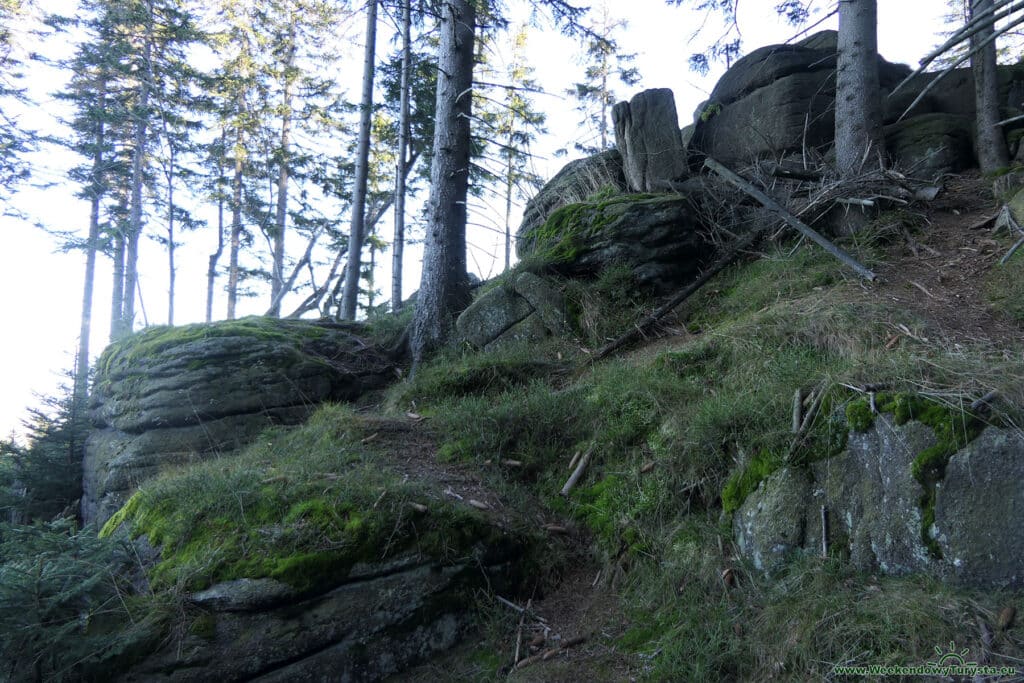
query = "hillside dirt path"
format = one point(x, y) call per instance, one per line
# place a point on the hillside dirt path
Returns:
point(938, 272)
point(581, 607)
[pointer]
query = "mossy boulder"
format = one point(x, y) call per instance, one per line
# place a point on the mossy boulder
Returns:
point(576, 181)
point(523, 307)
point(658, 237)
point(169, 395)
point(931, 144)
point(916, 490)
point(770, 524)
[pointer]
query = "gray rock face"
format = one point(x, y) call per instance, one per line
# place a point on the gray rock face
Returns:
point(872, 499)
point(775, 100)
point(931, 144)
point(525, 309)
point(366, 629)
point(172, 395)
point(575, 182)
point(874, 513)
point(647, 136)
point(978, 510)
point(658, 238)
point(771, 523)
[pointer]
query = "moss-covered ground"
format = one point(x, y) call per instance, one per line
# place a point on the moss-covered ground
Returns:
point(300, 505)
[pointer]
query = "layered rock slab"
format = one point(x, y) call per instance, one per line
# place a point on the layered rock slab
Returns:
point(168, 396)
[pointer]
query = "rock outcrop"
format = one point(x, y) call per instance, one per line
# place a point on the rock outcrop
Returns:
point(776, 100)
point(880, 517)
point(576, 181)
point(659, 237)
point(527, 308)
point(375, 623)
point(172, 395)
point(647, 137)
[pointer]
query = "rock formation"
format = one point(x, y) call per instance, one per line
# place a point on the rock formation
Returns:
point(172, 395)
point(647, 137)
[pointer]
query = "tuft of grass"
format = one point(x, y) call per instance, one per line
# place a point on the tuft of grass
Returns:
point(301, 506)
point(1004, 286)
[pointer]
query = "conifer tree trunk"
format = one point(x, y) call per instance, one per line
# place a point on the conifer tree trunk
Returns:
point(81, 390)
point(401, 167)
point(131, 275)
point(350, 293)
point(117, 286)
point(281, 218)
point(211, 270)
point(171, 270)
point(235, 243)
point(992, 152)
point(444, 287)
point(858, 138)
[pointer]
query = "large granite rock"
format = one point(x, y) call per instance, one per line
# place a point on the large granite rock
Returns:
point(576, 181)
point(873, 501)
point(658, 237)
point(875, 508)
point(172, 395)
point(647, 135)
point(373, 624)
point(931, 144)
point(978, 509)
point(771, 523)
point(776, 100)
point(525, 308)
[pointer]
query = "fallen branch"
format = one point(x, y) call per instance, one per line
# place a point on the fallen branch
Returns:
point(1013, 250)
point(548, 654)
point(578, 472)
point(818, 396)
point(792, 220)
point(985, 402)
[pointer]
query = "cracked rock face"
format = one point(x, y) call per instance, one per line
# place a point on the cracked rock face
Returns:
point(168, 396)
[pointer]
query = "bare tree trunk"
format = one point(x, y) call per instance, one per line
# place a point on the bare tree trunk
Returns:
point(444, 287)
point(131, 275)
point(171, 272)
point(211, 270)
point(236, 228)
point(281, 219)
point(81, 390)
point(350, 293)
point(859, 137)
point(992, 152)
point(117, 286)
point(401, 169)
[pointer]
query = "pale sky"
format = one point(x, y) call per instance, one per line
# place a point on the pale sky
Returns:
point(42, 290)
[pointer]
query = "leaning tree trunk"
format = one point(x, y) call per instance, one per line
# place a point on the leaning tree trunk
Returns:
point(992, 152)
point(350, 293)
point(444, 286)
point(859, 137)
point(401, 169)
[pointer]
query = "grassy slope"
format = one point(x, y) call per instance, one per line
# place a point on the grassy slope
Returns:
point(710, 410)
point(679, 429)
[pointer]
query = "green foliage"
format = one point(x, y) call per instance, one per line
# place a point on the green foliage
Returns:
point(743, 482)
point(300, 505)
point(62, 607)
point(1005, 288)
point(41, 480)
